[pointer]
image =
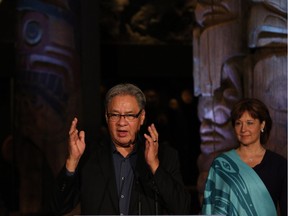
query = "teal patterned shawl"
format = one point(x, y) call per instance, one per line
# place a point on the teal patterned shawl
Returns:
point(234, 188)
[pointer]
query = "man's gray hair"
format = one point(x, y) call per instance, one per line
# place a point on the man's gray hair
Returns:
point(126, 89)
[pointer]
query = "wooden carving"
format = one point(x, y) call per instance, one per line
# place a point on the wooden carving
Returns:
point(46, 97)
point(266, 72)
point(218, 53)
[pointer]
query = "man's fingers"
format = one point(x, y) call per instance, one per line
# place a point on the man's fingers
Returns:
point(73, 125)
point(153, 133)
point(82, 136)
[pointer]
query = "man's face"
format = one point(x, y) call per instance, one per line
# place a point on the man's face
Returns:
point(123, 131)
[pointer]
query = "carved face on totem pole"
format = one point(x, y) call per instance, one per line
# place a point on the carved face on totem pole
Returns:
point(47, 76)
point(267, 32)
point(215, 128)
point(217, 43)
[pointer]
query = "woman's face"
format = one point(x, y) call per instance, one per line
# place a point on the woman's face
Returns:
point(248, 129)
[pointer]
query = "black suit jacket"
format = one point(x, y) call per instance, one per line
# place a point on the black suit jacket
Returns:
point(93, 184)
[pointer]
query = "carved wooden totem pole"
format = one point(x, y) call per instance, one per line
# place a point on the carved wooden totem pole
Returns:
point(46, 96)
point(235, 56)
point(266, 73)
point(218, 52)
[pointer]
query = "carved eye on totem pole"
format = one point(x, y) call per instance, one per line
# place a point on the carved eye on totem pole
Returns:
point(32, 32)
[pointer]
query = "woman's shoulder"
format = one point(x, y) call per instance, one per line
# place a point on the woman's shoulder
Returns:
point(275, 158)
point(231, 153)
point(224, 155)
point(275, 155)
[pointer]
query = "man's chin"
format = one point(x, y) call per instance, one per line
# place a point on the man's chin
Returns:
point(125, 144)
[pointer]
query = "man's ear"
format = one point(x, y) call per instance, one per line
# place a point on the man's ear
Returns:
point(106, 118)
point(142, 116)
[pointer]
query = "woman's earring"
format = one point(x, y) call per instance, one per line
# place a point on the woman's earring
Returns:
point(262, 130)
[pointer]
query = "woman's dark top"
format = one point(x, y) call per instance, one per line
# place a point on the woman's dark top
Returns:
point(273, 172)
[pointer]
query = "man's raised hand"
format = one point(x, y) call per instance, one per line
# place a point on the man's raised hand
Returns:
point(76, 146)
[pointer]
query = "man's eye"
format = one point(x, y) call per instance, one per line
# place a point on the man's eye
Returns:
point(129, 116)
point(114, 115)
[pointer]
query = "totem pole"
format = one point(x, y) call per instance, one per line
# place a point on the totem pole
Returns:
point(47, 93)
point(218, 53)
point(266, 65)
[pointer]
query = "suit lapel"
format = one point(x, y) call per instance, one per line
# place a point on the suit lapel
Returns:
point(107, 168)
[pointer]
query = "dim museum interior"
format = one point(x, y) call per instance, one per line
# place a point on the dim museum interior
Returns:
point(192, 61)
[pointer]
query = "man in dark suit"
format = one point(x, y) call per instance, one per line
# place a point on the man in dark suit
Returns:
point(129, 173)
